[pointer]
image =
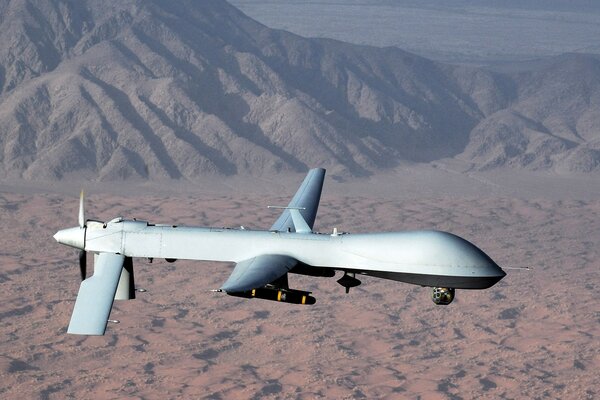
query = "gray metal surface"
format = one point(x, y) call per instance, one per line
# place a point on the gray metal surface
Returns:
point(412, 252)
point(307, 197)
point(126, 286)
point(257, 272)
point(95, 297)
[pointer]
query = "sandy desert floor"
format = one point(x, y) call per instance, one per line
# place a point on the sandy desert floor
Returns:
point(533, 335)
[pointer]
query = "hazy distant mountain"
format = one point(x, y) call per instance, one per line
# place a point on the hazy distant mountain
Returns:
point(468, 32)
point(552, 121)
point(175, 89)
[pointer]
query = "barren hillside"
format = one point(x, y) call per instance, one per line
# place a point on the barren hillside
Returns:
point(157, 90)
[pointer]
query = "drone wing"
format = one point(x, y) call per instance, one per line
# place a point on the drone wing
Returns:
point(257, 272)
point(306, 201)
point(299, 216)
point(96, 295)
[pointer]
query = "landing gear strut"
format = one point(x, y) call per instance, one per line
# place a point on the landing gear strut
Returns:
point(348, 281)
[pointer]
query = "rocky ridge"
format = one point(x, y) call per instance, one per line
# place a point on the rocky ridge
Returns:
point(157, 90)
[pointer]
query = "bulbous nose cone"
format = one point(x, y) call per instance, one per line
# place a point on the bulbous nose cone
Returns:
point(74, 237)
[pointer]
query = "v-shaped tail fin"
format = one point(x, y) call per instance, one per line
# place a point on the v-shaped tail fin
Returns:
point(305, 202)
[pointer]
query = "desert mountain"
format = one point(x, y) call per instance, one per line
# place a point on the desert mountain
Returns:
point(551, 122)
point(155, 89)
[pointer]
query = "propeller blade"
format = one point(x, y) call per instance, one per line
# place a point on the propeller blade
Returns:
point(83, 264)
point(81, 211)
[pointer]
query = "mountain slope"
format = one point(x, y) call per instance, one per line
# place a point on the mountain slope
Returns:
point(553, 121)
point(162, 90)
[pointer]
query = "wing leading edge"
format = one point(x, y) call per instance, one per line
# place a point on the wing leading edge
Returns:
point(96, 295)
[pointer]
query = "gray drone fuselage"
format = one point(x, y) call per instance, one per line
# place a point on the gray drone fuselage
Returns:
point(428, 258)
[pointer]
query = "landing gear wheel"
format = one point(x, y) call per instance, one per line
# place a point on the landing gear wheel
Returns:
point(442, 296)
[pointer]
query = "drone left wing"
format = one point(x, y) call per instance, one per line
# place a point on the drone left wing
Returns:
point(257, 272)
point(299, 216)
point(96, 295)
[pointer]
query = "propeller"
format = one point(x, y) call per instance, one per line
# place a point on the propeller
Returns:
point(82, 253)
point(81, 211)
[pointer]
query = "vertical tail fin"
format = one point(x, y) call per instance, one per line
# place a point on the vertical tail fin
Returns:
point(306, 200)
